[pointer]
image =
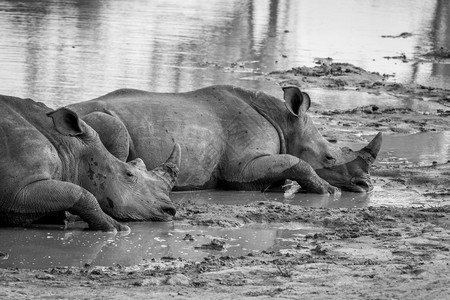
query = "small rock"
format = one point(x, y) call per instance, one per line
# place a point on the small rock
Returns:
point(214, 245)
point(45, 276)
point(178, 279)
point(147, 282)
point(290, 188)
point(97, 272)
point(319, 250)
point(188, 237)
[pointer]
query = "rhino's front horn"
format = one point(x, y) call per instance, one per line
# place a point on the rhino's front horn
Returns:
point(170, 169)
point(370, 152)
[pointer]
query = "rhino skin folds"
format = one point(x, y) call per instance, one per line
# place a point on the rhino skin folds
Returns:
point(52, 161)
point(231, 138)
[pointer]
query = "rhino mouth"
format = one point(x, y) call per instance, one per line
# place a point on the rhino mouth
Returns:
point(169, 211)
point(166, 213)
point(358, 185)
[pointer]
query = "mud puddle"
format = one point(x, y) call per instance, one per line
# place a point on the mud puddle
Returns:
point(50, 247)
point(382, 195)
point(36, 248)
point(345, 200)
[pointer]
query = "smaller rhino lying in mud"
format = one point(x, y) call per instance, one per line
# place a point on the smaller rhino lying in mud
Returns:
point(52, 161)
point(231, 138)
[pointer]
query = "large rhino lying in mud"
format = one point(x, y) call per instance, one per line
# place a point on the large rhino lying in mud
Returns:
point(52, 161)
point(231, 138)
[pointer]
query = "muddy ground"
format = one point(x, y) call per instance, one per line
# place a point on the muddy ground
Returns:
point(368, 253)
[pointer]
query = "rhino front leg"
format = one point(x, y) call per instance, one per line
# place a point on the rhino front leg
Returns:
point(47, 196)
point(272, 168)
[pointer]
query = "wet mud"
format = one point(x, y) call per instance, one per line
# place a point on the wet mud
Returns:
point(370, 253)
point(383, 252)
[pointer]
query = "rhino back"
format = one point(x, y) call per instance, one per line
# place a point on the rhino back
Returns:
point(214, 127)
point(26, 155)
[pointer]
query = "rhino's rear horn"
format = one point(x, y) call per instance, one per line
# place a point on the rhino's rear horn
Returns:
point(372, 148)
point(170, 169)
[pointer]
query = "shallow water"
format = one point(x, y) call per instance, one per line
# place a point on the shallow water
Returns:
point(347, 99)
point(65, 52)
point(420, 149)
point(42, 248)
point(48, 247)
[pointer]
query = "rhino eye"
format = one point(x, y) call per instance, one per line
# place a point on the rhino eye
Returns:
point(330, 160)
point(130, 176)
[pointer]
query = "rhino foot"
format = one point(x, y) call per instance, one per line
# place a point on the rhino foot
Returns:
point(332, 190)
point(110, 225)
point(325, 188)
point(47, 196)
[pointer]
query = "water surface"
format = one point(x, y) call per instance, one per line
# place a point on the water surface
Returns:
point(62, 52)
point(43, 248)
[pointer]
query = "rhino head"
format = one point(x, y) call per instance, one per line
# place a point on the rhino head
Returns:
point(125, 191)
point(353, 175)
point(341, 167)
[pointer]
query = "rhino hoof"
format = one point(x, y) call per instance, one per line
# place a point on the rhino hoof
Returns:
point(328, 189)
point(336, 192)
point(124, 230)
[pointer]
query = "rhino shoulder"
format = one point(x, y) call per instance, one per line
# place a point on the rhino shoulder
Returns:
point(124, 92)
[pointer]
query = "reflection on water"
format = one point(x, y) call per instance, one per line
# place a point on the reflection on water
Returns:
point(349, 99)
point(420, 149)
point(67, 51)
point(42, 248)
point(347, 200)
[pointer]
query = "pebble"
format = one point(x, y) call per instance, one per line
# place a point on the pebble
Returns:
point(178, 279)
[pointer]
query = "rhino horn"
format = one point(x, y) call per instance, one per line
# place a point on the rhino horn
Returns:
point(370, 152)
point(170, 169)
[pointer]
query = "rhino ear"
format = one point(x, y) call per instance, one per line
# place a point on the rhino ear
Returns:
point(296, 101)
point(66, 122)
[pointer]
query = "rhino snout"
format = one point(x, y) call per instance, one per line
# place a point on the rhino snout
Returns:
point(361, 184)
point(169, 209)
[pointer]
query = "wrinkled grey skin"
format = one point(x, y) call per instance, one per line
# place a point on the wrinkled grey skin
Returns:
point(52, 161)
point(231, 138)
